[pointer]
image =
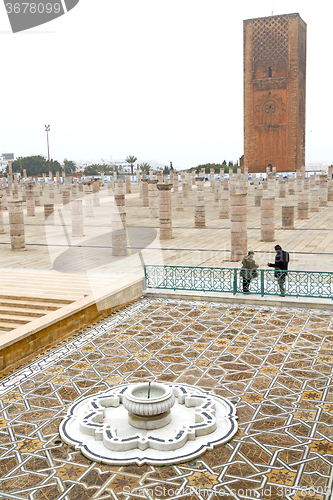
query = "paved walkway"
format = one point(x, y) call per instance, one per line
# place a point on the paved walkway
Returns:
point(275, 364)
point(57, 264)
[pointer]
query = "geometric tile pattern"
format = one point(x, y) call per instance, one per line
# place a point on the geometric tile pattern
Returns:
point(270, 39)
point(274, 364)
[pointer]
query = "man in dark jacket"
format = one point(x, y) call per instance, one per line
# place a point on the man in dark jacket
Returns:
point(281, 266)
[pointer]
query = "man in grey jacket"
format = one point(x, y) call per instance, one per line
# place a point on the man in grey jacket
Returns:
point(248, 270)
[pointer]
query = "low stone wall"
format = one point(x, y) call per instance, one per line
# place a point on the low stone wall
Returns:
point(16, 346)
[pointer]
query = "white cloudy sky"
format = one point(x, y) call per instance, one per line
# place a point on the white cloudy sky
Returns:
point(160, 79)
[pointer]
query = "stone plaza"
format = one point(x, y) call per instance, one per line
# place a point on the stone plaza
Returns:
point(273, 361)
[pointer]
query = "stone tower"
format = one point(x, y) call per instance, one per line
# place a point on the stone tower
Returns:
point(274, 93)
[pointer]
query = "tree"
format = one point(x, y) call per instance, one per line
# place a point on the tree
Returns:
point(144, 167)
point(34, 165)
point(131, 160)
point(166, 170)
point(70, 166)
point(94, 169)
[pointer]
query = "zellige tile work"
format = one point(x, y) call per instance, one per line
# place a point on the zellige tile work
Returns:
point(274, 364)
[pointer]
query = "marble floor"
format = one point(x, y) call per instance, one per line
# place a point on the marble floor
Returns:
point(274, 364)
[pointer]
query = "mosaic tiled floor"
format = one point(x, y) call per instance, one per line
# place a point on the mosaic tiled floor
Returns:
point(275, 364)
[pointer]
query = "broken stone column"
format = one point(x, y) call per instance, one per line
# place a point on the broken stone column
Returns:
point(95, 191)
point(120, 186)
point(185, 189)
point(322, 190)
point(188, 177)
point(299, 185)
point(193, 177)
point(282, 187)
point(258, 195)
point(145, 197)
point(314, 200)
point(199, 209)
point(119, 233)
point(212, 178)
point(153, 198)
point(51, 190)
point(164, 192)
point(271, 179)
point(128, 183)
point(224, 203)
point(226, 183)
point(175, 182)
point(159, 177)
point(110, 188)
point(30, 197)
point(238, 225)
point(49, 214)
point(88, 203)
point(2, 227)
point(15, 187)
point(267, 219)
point(291, 183)
point(77, 218)
point(57, 178)
point(37, 194)
point(306, 184)
point(16, 225)
point(179, 202)
point(24, 173)
point(80, 185)
point(137, 176)
point(288, 216)
point(102, 178)
point(312, 181)
point(303, 206)
point(66, 200)
point(217, 190)
point(239, 173)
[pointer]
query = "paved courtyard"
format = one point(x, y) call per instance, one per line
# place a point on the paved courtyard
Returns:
point(274, 364)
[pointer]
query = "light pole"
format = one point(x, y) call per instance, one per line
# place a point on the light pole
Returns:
point(47, 130)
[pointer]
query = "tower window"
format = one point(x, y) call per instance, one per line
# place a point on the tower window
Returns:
point(270, 72)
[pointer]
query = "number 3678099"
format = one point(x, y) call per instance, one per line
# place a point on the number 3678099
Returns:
point(33, 8)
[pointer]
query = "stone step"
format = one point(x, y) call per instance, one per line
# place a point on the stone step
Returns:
point(30, 304)
point(16, 311)
point(11, 320)
point(47, 300)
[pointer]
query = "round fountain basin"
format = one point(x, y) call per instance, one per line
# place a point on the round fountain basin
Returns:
point(152, 412)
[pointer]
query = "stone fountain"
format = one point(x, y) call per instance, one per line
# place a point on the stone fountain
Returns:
point(150, 423)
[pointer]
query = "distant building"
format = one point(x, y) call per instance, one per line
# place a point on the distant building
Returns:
point(8, 156)
point(4, 159)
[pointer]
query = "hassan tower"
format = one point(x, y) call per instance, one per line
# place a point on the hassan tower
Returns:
point(274, 93)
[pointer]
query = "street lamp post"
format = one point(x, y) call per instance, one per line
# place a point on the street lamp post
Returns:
point(47, 130)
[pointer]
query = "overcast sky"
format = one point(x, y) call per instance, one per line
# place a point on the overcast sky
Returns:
point(158, 79)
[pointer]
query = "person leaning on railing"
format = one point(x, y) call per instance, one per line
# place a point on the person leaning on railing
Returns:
point(281, 266)
point(248, 270)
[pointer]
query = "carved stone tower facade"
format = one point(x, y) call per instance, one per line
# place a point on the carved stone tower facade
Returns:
point(274, 93)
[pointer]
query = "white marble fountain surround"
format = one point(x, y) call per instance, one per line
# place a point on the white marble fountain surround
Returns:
point(200, 420)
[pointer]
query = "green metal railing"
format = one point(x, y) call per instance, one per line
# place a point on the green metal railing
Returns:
point(229, 280)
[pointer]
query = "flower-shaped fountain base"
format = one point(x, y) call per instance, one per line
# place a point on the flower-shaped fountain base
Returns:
point(99, 426)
